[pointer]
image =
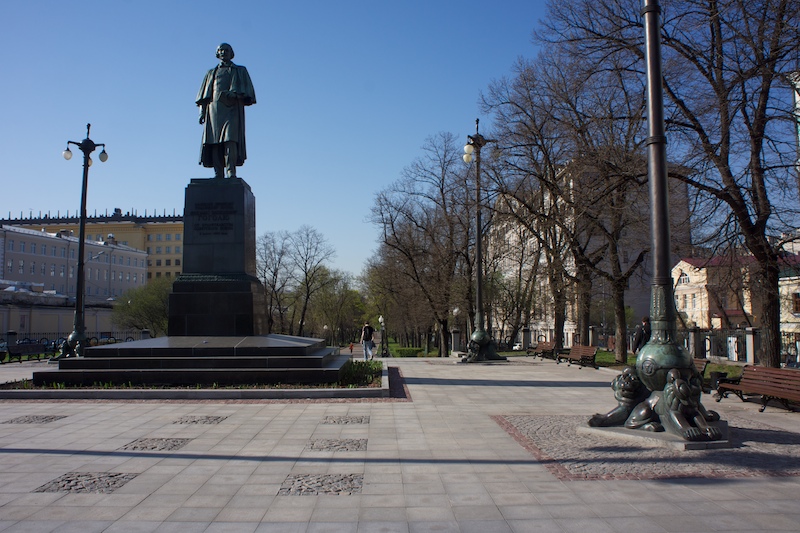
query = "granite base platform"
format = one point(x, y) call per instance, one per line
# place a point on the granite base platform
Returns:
point(189, 360)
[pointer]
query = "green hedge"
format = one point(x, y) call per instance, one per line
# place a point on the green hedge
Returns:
point(407, 352)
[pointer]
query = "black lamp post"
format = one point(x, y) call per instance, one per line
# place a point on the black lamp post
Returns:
point(662, 352)
point(384, 340)
point(481, 346)
point(76, 342)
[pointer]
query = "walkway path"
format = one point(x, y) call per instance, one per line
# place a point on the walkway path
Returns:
point(478, 448)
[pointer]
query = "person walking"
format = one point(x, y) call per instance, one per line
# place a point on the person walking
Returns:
point(642, 334)
point(366, 340)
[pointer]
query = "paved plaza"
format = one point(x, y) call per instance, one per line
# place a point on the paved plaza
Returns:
point(469, 448)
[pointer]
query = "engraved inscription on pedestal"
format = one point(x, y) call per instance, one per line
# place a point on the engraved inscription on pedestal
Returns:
point(213, 220)
point(219, 227)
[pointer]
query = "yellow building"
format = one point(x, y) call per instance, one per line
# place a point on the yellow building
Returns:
point(161, 236)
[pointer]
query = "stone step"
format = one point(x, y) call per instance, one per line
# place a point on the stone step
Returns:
point(189, 376)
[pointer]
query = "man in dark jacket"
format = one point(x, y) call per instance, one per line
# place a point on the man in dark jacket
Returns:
point(642, 334)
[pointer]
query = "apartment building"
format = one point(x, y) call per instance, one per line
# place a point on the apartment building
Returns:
point(160, 236)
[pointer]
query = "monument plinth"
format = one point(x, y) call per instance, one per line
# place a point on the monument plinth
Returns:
point(218, 292)
point(217, 316)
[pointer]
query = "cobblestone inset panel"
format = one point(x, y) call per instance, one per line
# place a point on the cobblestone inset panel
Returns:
point(346, 420)
point(318, 484)
point(758, 450)
point(338, 445)
point(156, 445)
point(35, 419)
point(95, 482)
point(200, 419)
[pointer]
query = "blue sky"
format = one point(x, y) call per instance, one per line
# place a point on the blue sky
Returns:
point(347, 94)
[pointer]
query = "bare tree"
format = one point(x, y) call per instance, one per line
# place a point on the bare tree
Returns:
point(422, 217)
point(309, 252)
point(274, 265)
point(728, 108)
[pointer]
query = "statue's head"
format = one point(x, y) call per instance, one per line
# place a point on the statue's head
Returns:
point(225, 52)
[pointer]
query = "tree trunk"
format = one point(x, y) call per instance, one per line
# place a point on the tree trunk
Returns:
point(621, 327)
point(766, 287)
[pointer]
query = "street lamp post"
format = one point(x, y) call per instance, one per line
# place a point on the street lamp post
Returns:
point(481, 346)
point(384, 340)
point(662, 352)
point(76, 342)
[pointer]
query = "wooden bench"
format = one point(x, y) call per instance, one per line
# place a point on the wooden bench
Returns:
point(700, 365)
point(782, 384)
point(582, 355)
point(32, 350)
point(543, 349)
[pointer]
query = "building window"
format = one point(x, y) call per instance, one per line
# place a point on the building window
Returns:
point(72, 253)
point(33, 247)
point(158, 274)
point(168, 250)
point(44, 269)
point(53, 271)
point(135, 276)
point(71, 271)
point(796, 303)
point(158, 249)
point(158, 262)
point(168, 274)
point(21, 266)
point(683, 279)
point(168, 262)
point(149, 262)
point(128, 277)
point(177, 249)
point(694, 301)
point(22, 246)
point(177, 236)
point(149, 237)
point(684, 302)
point(33, 267)
point(177, 262)
point(158, 237)
point(168, 237)
point(63, 252)
point(10, 246)
point(149, 275)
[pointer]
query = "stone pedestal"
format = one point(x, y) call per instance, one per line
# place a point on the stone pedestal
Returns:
point(218, 293)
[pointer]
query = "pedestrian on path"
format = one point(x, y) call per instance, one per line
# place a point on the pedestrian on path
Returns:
point(366, 340)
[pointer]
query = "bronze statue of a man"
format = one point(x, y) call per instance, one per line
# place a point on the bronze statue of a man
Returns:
point(225, 92)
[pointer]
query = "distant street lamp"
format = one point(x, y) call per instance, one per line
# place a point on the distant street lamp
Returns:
point(325, 329)
point(455, 333)
point(76, 342)
point(384, 340)
point(481, 346)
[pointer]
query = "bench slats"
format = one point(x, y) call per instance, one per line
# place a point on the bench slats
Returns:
point(782, 384)
point(582, 355)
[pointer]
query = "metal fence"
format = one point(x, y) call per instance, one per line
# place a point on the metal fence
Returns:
point(56, 339)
